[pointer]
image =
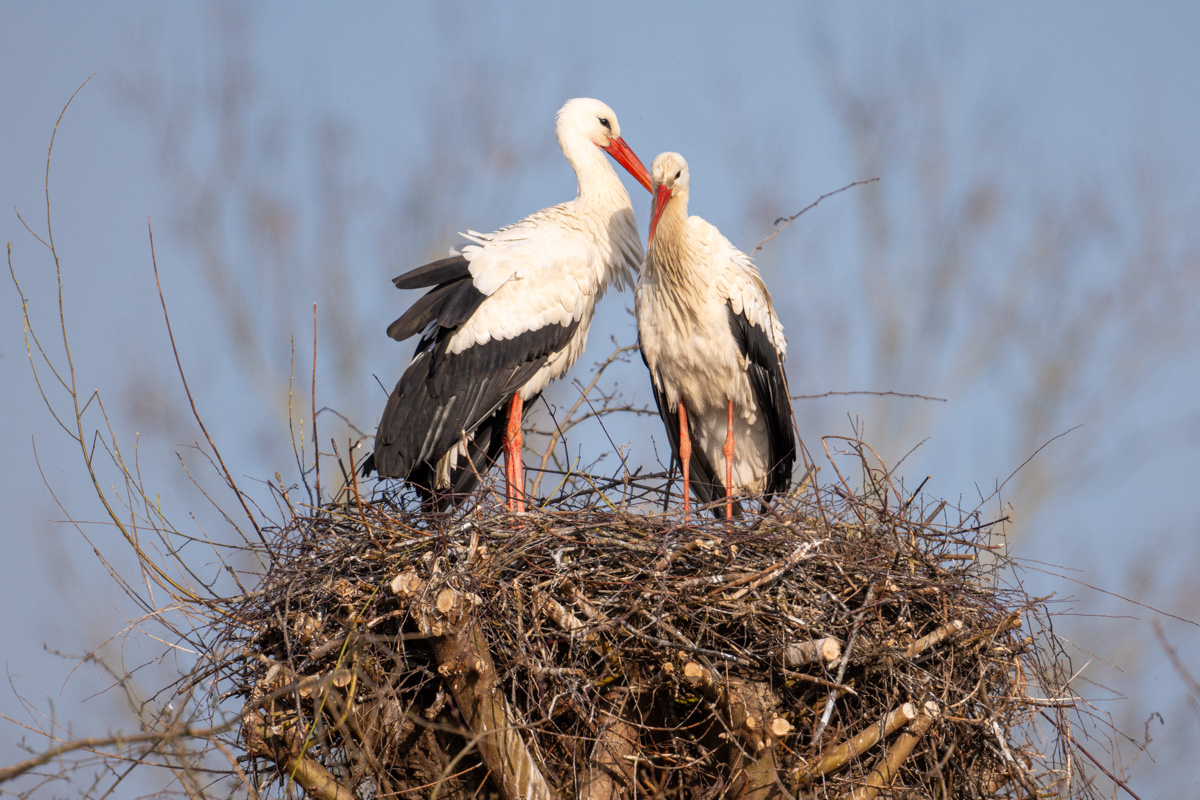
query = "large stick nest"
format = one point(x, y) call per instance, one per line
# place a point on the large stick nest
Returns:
point(837, 646)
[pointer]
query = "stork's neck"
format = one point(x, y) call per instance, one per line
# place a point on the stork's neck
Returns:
point(599, 185)
point(670, 250)
point(673, 222)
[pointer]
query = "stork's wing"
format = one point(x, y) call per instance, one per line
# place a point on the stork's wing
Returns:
point(442, 271)
point(760, 339)
point(738, 281)
point(451, 301)
point(764, 367)
point(443, 395)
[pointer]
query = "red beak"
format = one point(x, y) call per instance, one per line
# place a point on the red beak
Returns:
point(660, 202)
point(625, 157)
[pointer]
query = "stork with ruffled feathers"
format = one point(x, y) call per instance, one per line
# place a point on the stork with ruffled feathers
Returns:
point(503, 318)
point(715, 350)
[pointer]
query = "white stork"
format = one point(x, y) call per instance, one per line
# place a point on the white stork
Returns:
point(505, 317)
point(715, 351)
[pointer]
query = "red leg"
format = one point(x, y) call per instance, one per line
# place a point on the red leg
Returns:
point(518, 455)
point(514, 474)
point(685, 454)
point(507, 462)
point(729, 465)
point(508, 473)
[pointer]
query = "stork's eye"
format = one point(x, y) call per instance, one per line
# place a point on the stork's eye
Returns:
point(604, 122)
point(677, 174)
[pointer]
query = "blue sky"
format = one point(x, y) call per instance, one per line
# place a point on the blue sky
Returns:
point(1057, 103)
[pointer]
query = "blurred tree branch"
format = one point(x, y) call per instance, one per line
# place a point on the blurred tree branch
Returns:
point(980, 278)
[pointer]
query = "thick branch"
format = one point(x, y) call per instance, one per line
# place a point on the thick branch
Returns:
point(752, 713)
point(285, 747)
point(801, 654)
point(838, 756)
point(936, 637)
point(755, 726)
point(465, 663)
point(609, 775)
point(889, 766)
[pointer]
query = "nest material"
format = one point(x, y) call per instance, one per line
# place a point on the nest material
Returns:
point(832, 648)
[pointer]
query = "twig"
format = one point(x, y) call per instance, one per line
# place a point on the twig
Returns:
point(561, 616)
point(841, 675)
point(685, 548)
point(1176, 662)
point(868, 392)
point(789, 220)
point(192, 400)
point(758, 579)
point(119, 740)
point(315, 438)
point(567, 423)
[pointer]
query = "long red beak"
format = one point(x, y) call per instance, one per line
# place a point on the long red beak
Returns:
point(660, 203)
point(625, 157)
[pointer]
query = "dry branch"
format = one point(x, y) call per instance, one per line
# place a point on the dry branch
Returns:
point(815, 651)
point(610, 773)
point(284, 745)
point(752, 710)
point(936, 637)
point(889, 766)
point(466, 664)
point(840, 755)
point(468, 668)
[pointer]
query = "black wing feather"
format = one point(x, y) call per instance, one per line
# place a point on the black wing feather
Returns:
point(443, 394)
point(483, 448)
point(421, 313)
point(450, 303)
point(765, 371)
point(460, 304)
point(445, 270)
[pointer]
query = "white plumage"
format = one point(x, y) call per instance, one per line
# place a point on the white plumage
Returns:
point(505, 317)
point(711, 339)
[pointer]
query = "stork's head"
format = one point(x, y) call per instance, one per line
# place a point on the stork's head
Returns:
point(669, 179)
point(585, 119)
